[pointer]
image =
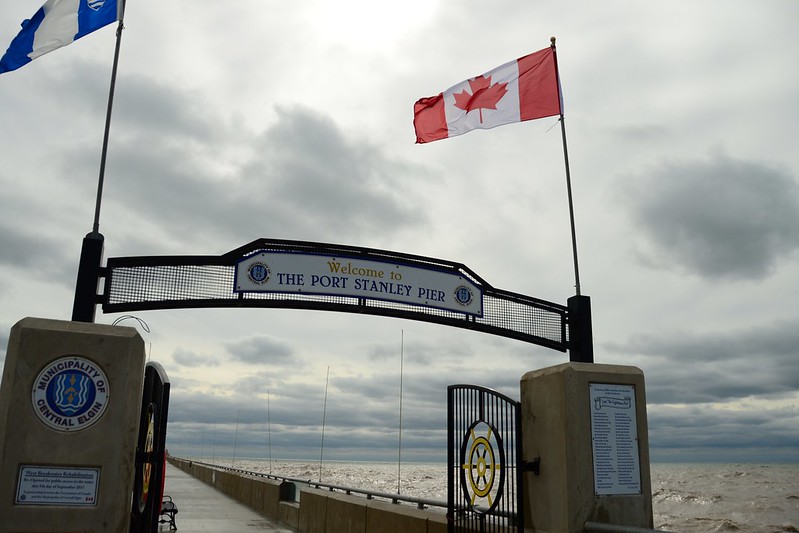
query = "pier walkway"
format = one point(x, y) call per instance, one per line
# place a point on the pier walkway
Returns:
point(202, 508)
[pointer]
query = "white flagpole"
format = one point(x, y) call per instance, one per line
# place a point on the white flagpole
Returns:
point(399, 444)
point(235, 439)
point(324, 414)
point(269, 430)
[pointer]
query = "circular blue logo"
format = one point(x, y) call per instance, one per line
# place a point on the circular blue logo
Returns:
point(259, 272)
point(71, 393)
point(463, 295)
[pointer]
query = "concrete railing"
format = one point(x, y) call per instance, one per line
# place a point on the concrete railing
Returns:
point(596, 527)
point(421, 503)
point(311, 510)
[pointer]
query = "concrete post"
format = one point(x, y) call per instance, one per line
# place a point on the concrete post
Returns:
point(69, 418)
point(587, 423)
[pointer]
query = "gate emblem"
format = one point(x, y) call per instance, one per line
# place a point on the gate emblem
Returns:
point(484, 481)
point(482, 466)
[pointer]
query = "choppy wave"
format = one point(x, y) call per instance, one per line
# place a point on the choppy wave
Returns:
point(685, 497)
point(725, 498)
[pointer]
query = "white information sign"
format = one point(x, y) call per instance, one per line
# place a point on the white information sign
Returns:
point(292, 272)
point(614, 439)
point(55, 485)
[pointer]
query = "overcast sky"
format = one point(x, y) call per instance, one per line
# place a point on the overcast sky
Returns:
point(294, 121)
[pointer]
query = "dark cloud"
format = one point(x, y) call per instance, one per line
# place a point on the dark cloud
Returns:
point(38, 256)
point(23, 248)
point(192, 359)
point(182, 170)
point(202, 180)
point(358, 423)
point(146, 106)
point(721, 427)
point(686, 367)
point(778, 341)
point(263, 350)
point(39, 244)
point(418, 352)
point(142, 105)
point(717, 218)
point(325, 182)
point(260, 383)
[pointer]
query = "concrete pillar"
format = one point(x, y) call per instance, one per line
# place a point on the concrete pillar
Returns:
point(587, 423)
point(313, 511)
point(69, 419)
point(388, 517)
point(345, 514)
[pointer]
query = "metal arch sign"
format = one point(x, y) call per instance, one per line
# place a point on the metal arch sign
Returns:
point(318, 274)
point(284, 274)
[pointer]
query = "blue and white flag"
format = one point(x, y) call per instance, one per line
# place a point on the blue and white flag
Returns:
point(56, 24)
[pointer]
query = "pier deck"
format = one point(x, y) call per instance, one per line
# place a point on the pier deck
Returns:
point(201, 508)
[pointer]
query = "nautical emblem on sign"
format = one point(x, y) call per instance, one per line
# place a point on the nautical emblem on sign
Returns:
point(463, 295)
point(259, 272)
point(70, 393)
point(95, 4)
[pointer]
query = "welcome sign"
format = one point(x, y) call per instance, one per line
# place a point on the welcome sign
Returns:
point(305, 273)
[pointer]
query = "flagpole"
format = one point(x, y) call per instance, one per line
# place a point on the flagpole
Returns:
point(91, 254)
point(399, 444)
point(581, 337)
point(568, 176)
point(571, 206)
point(104, 153)
point(324, 414)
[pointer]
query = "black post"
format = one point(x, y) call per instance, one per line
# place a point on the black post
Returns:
point(581, 337)
point(91, 259)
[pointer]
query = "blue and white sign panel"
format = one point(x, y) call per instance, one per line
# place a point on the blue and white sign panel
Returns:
point(70, 393)
point(299, 273)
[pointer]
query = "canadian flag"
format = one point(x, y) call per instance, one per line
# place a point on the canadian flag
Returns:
point(524, 89)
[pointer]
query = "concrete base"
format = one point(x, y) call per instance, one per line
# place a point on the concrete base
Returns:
point(40, 442)
point(557, 428)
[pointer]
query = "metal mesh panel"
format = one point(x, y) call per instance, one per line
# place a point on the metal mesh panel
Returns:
point(163, 283)
point(140, 283)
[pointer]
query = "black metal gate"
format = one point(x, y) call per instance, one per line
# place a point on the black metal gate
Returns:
point(484, 474)
point(151, 451)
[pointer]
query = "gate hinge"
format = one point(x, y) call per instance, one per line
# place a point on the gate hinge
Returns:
point(533, 466)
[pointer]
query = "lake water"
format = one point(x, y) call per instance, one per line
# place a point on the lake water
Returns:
point(748, 498)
